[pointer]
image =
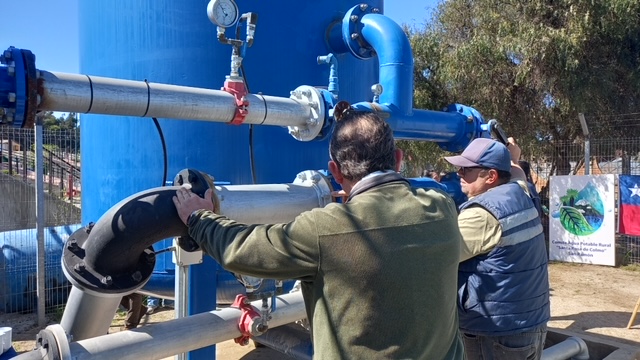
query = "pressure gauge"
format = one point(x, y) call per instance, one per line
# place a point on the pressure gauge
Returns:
point(223, 13)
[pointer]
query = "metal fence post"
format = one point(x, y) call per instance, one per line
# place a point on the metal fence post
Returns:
point(40, 214)
point(587, 144)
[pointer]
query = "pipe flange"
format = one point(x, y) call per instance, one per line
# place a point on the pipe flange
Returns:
point(319, 182)
point(88, 279)
point(62, 341)
point(312, 98)
point(199, 183)
point(352, 31)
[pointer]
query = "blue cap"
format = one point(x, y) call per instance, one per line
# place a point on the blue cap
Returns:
point(483, 152)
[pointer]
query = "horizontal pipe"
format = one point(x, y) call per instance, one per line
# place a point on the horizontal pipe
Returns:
point(158, 341)
point(572, 348)
point(130, 227)
point(269, 204)
point(100, 95)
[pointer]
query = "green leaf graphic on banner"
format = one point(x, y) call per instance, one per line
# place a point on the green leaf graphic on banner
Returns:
point(574, 222)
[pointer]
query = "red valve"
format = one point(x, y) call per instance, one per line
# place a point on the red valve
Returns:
point(249, 313)
point(239, 92)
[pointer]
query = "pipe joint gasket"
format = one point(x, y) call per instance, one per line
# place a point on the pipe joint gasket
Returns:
point(313, 99)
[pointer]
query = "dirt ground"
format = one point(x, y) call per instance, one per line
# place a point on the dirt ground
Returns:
point(585, 299)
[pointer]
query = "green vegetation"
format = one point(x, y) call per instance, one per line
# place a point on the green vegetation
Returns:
point(533, 65)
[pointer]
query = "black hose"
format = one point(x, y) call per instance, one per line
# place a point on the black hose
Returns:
point(164, 151)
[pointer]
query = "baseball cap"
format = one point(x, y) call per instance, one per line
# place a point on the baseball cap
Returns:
point(483, 152)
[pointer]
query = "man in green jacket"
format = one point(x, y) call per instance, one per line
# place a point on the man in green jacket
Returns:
point(378, 271)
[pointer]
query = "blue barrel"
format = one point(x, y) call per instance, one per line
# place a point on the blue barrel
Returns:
point(18, 278)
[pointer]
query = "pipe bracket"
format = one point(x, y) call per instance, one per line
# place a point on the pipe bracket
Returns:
point(245, 322)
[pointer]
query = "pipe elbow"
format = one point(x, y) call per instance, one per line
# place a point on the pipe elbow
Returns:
point(368, 33)
point(116, 255)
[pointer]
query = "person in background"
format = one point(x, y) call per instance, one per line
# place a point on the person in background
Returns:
point(154, 303)
point(433, 174)
point(378, 272)
point(503, 283)
point(533, 193)
point(132, 303)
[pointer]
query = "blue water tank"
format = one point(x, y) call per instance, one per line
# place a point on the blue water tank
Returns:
point(174, 42)
point(18, 262)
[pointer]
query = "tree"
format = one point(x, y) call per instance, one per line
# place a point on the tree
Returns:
point(533, 65)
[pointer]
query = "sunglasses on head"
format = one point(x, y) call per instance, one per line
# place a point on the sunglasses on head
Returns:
point(343, 110)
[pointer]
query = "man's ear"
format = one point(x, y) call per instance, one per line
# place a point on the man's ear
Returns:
point(492, 177)
point(334, 169)
point(399, 155)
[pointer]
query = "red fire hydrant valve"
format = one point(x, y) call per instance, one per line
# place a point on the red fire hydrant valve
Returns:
point(239, 92)
point(249, 313)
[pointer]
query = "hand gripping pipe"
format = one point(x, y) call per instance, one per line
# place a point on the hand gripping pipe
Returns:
point(115, 257)
point(161, 340)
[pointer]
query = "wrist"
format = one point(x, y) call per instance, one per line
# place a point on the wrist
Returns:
point(192, 217)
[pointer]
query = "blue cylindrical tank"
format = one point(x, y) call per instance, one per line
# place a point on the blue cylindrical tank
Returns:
point(169, 41)
point(18, 278)
point(174, 42)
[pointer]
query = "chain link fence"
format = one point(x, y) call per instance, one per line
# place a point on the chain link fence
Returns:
point(61, 192)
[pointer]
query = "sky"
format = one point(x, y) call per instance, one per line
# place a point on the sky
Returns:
point(49, 28)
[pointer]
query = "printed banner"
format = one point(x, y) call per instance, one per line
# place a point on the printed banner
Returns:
point(629, 214)
point(582, 219)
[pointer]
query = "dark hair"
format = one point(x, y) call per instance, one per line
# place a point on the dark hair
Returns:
point(526, 168)
point(361, 143)
point(504, 176)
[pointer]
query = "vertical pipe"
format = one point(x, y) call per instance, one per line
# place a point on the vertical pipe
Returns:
point(86, 316)
point(40, 213)
point(181, 297)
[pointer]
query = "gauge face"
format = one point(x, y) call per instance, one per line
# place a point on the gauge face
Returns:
point(222, 12)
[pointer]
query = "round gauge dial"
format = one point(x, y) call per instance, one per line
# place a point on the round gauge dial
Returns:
point(223, 13)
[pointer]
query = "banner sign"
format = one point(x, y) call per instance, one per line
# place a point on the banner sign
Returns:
point(582, 222)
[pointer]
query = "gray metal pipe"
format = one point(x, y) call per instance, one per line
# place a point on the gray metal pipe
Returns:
point(172, 337)
point(87, 315)
point(100, 95)
point(268, 204)
point(117, 245)
point(572, 348)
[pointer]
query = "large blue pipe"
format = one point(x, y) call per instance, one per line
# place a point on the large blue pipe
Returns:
point(396, 61)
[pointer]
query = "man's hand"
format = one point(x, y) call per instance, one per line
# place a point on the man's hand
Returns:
point(187, 202)
point(514, 150)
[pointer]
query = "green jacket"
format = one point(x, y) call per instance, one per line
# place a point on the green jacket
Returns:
point(378, 273)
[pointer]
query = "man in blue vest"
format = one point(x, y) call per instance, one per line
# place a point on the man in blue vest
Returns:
point(503, 284)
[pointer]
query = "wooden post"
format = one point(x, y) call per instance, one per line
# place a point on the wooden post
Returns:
point(634, 313)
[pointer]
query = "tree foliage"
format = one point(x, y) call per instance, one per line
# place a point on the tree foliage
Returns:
point(533, 65)
point(63, 122)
